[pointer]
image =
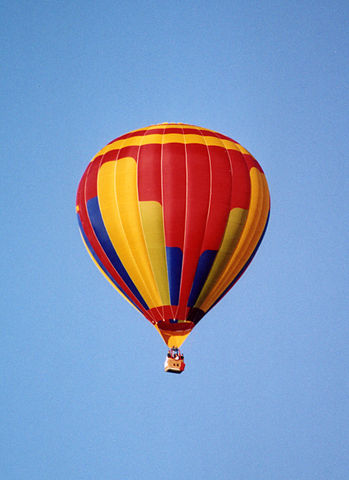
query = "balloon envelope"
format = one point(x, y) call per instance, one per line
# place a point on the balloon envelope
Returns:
point(172, 215)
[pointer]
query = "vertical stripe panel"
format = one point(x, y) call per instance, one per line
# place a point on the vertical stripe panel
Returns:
point(153, 229)
point(127, 199)
point(113, 222)
point(217, 215)
point(149, 173)
point(94, 246)
point(219, 200)
point(150, 198)
point(173, 201)
point(198, 180)
point(95, 217)
point(104, 240)
point(239, 198)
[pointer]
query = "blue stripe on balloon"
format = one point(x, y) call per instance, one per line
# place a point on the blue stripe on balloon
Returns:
point(203, 269)
point(100, 264)
point(174, 257)
point(101, 233)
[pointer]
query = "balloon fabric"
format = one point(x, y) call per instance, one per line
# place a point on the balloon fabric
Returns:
point(172, 215)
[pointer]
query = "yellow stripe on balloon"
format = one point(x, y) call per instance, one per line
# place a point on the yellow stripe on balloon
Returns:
point(109, 204)
point(254, 226)
point(127, 200)
point(171, 138)
point(153, 229)
point(236, 222)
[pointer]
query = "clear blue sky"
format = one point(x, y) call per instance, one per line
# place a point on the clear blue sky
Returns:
point(84, 395)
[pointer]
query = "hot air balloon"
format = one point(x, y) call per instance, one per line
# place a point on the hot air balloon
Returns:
point(172, 215)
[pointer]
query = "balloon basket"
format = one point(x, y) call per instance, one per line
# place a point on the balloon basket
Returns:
point(174, 362)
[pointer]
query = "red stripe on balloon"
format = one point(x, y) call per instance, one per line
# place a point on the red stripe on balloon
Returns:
point(91, 180)
point(197, 201)
point(220, 198)
point(174, 193)
point(149, 173)
point(241, 184)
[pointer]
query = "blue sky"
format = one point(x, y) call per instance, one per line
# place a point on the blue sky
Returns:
point(83, 395)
